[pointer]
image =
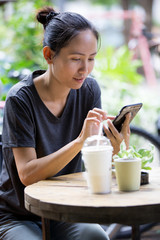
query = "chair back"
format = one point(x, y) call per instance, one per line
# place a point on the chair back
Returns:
point(1, 158)
point(2, 104)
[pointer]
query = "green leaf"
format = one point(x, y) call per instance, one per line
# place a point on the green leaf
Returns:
point(146, 155)
point(118, 64)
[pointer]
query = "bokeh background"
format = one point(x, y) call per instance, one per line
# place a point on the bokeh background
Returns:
point(128, 62)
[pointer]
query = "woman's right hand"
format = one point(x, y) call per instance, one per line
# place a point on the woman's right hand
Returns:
point(92, 123)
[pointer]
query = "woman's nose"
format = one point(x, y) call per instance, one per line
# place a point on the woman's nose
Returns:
point(84, 67)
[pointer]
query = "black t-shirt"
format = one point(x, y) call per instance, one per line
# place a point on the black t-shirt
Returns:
point(29, 123)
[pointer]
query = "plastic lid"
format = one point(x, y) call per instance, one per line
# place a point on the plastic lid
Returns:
point(97, 140)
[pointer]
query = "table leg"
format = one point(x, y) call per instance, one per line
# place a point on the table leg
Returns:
point(135, 232)
point(46, 228)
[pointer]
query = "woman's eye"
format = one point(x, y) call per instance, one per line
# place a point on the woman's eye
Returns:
point(91, 59)
point(76, 59)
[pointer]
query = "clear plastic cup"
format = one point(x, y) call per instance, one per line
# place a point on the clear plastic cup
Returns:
point(97, 156)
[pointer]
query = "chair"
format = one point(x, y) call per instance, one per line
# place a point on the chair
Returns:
point(1, 158)
point(119, 231)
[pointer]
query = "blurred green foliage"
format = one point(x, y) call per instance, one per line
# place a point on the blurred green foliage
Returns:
point(21, 40)
point(121, 84)
point(105, 2)
point(118, 64)
point(24, 35)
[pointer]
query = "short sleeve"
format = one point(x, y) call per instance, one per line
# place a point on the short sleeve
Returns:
point(95, 92)
point(18, 124)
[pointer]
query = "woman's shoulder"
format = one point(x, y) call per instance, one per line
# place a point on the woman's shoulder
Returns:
point(24, 84)
point(14, 90)
point(91, 93)
point(91, 85)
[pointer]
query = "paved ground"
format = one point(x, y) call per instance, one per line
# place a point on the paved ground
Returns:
point(151, 234)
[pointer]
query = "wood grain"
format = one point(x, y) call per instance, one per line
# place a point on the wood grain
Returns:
point(67, 198)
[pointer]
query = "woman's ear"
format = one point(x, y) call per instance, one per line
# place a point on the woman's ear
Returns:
point(48, 54)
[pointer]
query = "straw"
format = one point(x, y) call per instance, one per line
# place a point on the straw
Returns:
point(99, 133)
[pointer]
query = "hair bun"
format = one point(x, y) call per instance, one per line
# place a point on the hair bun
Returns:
point(51, 15)
point(45, 15)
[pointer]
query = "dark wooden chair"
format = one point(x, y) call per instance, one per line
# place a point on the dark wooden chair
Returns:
point(45, 222)
point(1, 157)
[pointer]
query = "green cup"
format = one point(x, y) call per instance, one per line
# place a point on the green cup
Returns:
point(128, 174)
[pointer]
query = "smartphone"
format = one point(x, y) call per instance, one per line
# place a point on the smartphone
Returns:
point(120, 118)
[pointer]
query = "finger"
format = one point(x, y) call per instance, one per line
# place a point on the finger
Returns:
point(101, 112)
point(95, 114)
point(112, 128)
point(111, 132)
point(93, 119)
point(115, 139)
point(104, 114)
point(127, 119)
point(107, 132)
point(126, 122)
point(110, 117)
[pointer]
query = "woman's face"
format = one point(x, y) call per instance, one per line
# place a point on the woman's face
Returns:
point(75, 61)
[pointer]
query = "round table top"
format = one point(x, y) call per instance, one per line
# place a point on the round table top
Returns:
point(67, 198)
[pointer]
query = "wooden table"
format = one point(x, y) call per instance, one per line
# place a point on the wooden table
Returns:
point(66, 198)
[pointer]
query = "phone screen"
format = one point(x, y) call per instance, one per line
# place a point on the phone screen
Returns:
point(120, 118)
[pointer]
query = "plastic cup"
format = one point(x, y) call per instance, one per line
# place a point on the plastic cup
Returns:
point(97, 156)
point(128, 174)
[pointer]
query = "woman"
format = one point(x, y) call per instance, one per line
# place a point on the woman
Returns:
point(47, 118)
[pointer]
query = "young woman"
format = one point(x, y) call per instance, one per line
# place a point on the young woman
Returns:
point(47, 118)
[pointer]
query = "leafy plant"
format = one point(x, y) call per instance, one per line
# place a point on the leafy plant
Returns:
point(104, 2)
point(146, 155)
point(22, 35)
point(121, 84)
point(21, 41)
point(117, 64)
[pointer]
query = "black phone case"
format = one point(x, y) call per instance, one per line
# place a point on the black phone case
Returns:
point(133, 108)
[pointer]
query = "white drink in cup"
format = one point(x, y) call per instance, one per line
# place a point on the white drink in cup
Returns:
point(98, 163)
point(128, 173)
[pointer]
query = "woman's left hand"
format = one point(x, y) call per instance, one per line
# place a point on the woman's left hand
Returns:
point(117, 137)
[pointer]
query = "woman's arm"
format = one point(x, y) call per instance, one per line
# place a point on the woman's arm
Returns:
point(32, 169)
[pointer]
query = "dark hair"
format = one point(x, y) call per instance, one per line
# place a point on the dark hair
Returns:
point(60, 28)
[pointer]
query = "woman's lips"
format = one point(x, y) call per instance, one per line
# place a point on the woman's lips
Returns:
point(79, 80)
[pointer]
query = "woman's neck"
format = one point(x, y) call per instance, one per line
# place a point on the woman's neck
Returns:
point(51, 93)
point(50, 89)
